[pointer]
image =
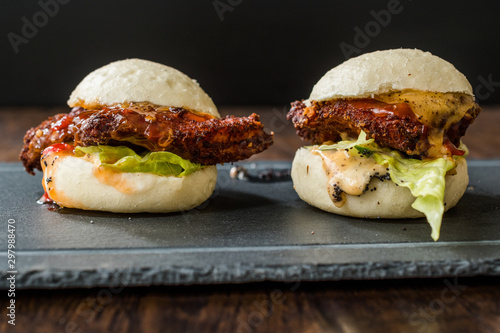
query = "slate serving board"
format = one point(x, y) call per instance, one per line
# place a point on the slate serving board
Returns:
point(246, 232)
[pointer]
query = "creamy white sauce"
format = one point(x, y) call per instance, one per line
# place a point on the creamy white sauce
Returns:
point(347, 173)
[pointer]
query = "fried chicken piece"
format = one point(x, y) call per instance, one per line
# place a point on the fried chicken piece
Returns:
point(50, 131)
point(391, 125)
point(192, 136)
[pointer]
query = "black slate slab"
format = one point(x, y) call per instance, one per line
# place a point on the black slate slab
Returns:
point(246, 232)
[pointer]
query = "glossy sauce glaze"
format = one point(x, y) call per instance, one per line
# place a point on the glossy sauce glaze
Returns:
point(380, 108)
point(62, 123)
point(152, 127)
point(57, 148)
point(66, 124)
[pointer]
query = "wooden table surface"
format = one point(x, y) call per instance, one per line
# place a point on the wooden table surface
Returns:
point(411, 305)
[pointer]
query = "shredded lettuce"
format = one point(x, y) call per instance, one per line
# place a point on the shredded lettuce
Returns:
point(124, 159)
point(347, 144)
point(424, 178)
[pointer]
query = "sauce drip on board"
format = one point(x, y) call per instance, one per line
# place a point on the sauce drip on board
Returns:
point(50, 204)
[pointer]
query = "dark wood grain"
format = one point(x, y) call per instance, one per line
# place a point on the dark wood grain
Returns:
point(437, 305)
point(413, 305)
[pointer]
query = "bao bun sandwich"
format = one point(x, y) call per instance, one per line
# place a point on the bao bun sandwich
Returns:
point(386, 129)
point(141, 137)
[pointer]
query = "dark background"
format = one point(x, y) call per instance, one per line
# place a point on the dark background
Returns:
point(243, 53)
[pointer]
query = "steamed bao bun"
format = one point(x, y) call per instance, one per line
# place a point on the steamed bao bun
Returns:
point(362, 77)
point(77, 183)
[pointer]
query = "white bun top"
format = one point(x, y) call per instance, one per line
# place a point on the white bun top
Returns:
point(136, 80)
point(390, 70)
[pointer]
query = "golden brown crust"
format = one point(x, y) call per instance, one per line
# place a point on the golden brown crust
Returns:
point(391, 125)
point(193, 136)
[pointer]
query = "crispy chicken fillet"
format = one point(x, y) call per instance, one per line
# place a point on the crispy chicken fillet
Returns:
point(330, 120)
point(38, 138)
point(195, 137)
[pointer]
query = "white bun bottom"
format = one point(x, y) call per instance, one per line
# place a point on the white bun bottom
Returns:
point(388, 201)
point(76, 183)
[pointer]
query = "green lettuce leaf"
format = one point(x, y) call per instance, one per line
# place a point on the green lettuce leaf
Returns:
point(424, 178)
point(426, 181)
point(124, 159)
point(347, 144)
